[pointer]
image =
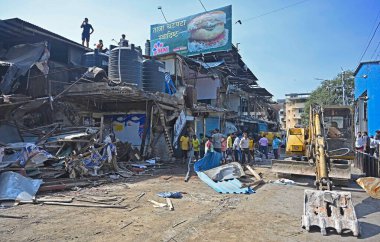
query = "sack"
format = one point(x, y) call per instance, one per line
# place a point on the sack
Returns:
point(371, 185)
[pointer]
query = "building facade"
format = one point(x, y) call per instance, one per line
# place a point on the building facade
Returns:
point(294, 108)
point(367, 97)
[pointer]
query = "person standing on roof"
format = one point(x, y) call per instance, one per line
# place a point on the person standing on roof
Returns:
point(99, 46)
point(123, 41)
point(86, 31)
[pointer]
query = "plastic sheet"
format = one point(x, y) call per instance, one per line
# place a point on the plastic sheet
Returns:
point(14, 186)
point(209, 161)
point(170, 194)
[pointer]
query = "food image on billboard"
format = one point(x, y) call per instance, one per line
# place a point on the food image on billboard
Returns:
point(205, 32)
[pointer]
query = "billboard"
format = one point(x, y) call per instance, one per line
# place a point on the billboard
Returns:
point(200, 33)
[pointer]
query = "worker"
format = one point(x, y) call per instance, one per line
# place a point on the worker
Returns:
point(196, 147)
point(230, 139)
point(366, 142)
point(203, 140)
point(236, 149)
point(224, 149)
point(86, 31)
point(372, 145)
point(251, 148)
point(209, 146)
point(263, 143)
point(276, 147)
point(123, 41)
point(244, 146)
point(99, 46)
point(217, 140)
point(185, 146)
point(359, 142)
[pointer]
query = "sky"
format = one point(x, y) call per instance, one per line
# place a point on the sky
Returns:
point(286, 50)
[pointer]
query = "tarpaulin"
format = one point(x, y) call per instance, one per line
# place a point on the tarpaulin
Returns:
point(14, 186)
point(209, 161)
point(20, 59)
point(229, 186)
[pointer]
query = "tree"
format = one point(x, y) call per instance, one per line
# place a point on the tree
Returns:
point(330, 92)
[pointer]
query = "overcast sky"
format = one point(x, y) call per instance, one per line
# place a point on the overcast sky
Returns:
point(286, 49)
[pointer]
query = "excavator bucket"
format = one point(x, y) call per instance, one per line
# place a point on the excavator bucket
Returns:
point(329, 209)
point(338, 169)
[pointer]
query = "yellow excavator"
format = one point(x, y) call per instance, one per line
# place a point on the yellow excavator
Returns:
point(338, 134)
point(323, 207)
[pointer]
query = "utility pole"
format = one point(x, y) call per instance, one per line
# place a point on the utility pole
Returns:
point(343, 88)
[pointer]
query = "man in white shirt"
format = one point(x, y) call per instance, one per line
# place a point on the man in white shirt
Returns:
point(372, 145)
point(236, 148)
point(244, 146)
point(263, 142)
point(359, 142)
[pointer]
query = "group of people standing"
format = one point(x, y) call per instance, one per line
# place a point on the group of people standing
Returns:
point(234, 147)
point(89, 30)
point(368, 144)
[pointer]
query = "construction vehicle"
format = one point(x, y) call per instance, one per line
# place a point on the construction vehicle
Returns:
point(337, 123)
point(323, 207)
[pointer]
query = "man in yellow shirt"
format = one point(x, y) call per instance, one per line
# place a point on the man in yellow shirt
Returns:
point(230, 143)
point(251, 148)
point(185, 146)
point(196, 146)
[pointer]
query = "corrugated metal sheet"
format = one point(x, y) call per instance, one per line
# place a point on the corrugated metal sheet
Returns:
point(233, 186)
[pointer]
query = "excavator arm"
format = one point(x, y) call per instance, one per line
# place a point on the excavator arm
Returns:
point(323, 207)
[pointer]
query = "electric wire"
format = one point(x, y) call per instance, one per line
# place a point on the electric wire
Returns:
point(274, 11)
point(200, 1)
point(374, 53)
point(370, 40)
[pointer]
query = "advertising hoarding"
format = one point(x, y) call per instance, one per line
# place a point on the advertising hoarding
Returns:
point(200, 33)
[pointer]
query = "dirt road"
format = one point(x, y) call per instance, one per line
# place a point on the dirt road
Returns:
point(271, 214)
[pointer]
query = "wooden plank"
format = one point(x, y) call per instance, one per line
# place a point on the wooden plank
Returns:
point(170, 204)
point(254, 173)
point(13, 216)
point(85, 205)
point(139, 196)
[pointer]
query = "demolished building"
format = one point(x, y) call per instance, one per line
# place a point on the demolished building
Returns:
point(63, 107)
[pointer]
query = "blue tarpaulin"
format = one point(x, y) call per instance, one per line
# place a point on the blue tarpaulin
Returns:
point(230, 186)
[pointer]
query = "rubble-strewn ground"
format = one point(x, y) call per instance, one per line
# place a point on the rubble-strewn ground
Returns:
point(272, 214)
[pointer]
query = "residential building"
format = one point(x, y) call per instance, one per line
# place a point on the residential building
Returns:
point(282, 113)
point(367, 97)
point(294, 108)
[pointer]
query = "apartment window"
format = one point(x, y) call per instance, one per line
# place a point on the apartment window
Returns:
point(301, 110)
